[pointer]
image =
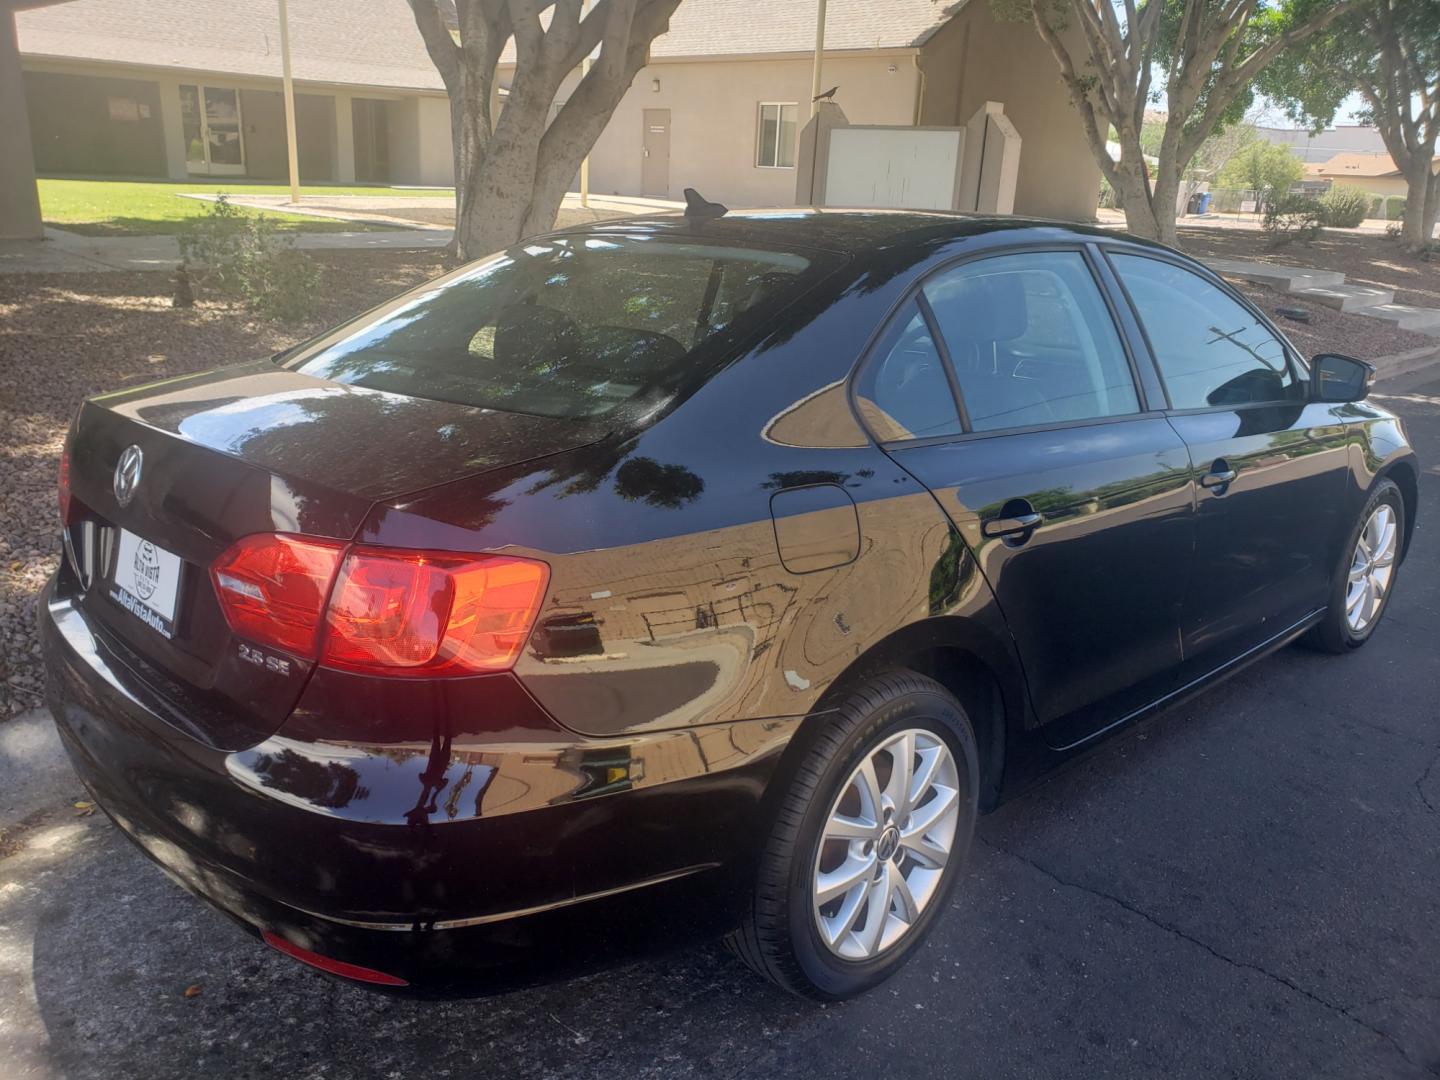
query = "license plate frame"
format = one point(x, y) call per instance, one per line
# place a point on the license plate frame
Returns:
point(146, 581)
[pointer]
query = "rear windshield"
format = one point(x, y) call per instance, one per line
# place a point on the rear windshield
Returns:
point(569, 326)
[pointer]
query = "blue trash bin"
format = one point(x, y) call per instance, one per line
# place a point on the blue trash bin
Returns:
point(1205, 202)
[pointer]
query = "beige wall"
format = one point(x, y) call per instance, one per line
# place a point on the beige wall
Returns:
point(974, 59)
point(420, 141)
point(714, 112)
point(714, 108)
point(1371, 185)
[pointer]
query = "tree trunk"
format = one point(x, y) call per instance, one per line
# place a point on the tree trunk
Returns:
point(1419, 220)
point(1163, 202)
point(1132, 195)
point(1432, 209)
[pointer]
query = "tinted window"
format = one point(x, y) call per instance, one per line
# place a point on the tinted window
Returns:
point(903, 392)
point(571, 326)
point(1210, 349)
point(1031, 340)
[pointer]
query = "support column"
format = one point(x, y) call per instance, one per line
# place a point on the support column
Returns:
point(19, 199)
point(344, 171)
point(173, 128)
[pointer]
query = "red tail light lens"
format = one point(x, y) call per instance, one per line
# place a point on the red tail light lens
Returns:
point(418, 613)
point(335, 967)
point(65, 484)
point(272, 588)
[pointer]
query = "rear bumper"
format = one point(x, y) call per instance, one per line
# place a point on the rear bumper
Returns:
point(473, 859)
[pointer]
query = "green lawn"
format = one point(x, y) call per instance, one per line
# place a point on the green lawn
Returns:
point(131, 208)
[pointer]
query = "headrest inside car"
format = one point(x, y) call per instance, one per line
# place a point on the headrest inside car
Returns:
point(982, 308)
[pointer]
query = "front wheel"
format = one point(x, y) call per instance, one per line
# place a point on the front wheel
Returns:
point(867, 843)
point(1365, 579)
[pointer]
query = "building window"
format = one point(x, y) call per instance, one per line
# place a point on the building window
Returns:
point(775, 140)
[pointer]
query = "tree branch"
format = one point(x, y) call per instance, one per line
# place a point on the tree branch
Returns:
point(444, 53)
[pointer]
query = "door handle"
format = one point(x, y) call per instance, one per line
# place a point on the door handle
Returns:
point(1011, 526)
point(1219, 475)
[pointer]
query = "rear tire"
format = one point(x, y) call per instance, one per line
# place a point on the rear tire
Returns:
point(1354, 613)
point(854, 813)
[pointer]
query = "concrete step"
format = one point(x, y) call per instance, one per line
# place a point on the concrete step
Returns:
point(1284, 278)
point(1345, 297)
point(1422, 320)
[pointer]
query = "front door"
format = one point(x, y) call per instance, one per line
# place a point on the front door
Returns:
point(1074, 498)
point(1269, 465)
point(655, 163)
point(212, 128)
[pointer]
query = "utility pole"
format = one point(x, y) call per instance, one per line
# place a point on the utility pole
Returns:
point(290, 104)
point(819, 55)
point(585, 161)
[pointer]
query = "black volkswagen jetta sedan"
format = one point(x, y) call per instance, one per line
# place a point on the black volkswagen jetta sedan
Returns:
point(683, 575)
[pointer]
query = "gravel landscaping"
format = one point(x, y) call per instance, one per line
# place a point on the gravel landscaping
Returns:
point(1332, 331)
point(1364, 258)
point(66, 336)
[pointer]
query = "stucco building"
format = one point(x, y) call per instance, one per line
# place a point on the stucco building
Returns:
point(179, 88)
point(183, 89)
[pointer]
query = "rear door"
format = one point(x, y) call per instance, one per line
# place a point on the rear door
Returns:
point(1072, 493)
point(1269, 465)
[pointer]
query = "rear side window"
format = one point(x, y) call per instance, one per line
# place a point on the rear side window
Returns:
point(571, 326)
point(1031, 340)
point(903, 392)
point(1211, 350)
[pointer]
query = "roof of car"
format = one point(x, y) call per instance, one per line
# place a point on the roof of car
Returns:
point(848, 232)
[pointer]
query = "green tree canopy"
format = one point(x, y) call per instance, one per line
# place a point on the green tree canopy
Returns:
point(1389, 51)
point(1263, 167)
point(1199, 59)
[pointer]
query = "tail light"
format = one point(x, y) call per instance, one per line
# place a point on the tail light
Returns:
point(65, 484)
point(388, 611)
point(416, 613)
point(272, 588)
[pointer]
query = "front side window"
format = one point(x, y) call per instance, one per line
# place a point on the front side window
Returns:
point(571, 326)
point(775, 141)
point(1211, 350)
point(1031, 340)
point(903, 392)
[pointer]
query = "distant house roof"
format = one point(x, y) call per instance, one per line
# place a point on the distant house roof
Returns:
point(348, 42)
point(1367, 165)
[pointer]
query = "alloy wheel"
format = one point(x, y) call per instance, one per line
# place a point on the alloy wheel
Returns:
point(1371, 569)
point(885, 845)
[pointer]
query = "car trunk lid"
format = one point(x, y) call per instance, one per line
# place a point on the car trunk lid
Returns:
point(237, 451)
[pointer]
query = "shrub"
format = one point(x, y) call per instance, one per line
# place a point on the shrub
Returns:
point(1292, 217)
point(242, 254)
point(1345, 207)
point(1395, 209)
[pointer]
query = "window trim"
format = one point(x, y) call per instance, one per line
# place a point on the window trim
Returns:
point(779, 123)
point(1299, 369)
point(1148, 409)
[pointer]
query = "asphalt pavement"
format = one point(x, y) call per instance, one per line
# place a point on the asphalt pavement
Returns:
point(1248, 886)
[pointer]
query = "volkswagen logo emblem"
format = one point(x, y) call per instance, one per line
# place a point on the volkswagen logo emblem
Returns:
point(127, 474)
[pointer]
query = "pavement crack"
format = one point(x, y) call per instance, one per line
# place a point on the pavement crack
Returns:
point(1424, 779)
point(1243, 965)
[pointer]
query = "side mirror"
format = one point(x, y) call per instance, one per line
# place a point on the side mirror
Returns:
point(1340, 378)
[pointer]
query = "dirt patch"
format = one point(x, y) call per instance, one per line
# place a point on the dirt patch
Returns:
point(1364, 259)
point(64, 337)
